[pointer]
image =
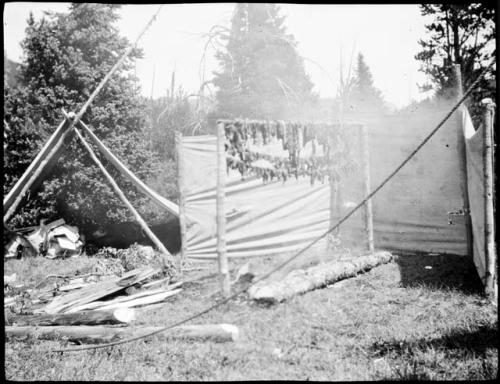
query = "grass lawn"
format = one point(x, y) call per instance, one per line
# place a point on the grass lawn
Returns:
point(398, 321)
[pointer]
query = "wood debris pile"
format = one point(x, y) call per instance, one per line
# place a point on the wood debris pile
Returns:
point(98, 309)
point(91, 299)
point(56, 239)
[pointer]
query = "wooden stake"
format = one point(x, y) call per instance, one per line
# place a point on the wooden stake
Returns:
point(124, 199)
point(366, 186)
point(489, 220)
point(462, 156)
point(221, 217)
point(182, 197)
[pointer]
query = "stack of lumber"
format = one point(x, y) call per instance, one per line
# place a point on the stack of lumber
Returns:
point(102, 311)
point(301, 281)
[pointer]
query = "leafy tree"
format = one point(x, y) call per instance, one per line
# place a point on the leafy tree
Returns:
point(261, 76)
point(65, 57)
point(364, 98)
point(459, 34)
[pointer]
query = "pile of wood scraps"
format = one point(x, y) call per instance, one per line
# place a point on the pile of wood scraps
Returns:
point(56, 239)
point(98, 309)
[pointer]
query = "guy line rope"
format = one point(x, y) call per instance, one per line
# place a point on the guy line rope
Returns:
point(280, 266)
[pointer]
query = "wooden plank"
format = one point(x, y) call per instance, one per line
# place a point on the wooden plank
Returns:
point(102, 334)
point(221, 217)
point(301, 281)
point(117, 316)
point(489, 219)
point(124, 199)
point(95, 291)
point(145, 300)
point(118, 300)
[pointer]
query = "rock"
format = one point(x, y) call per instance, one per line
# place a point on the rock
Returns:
point(9, 279)
point(146, 251)
point(244, 274)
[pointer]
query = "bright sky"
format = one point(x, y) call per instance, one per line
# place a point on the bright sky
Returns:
point(387, 35)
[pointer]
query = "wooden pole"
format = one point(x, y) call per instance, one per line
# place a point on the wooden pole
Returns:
point(46, 154)
point(221, 217)
point(160, 200)
point(489, 220)
point(368, 216)
point(462, 156)
point(124, 199)
point(334, 183)
point(96, 334)
point(182, 197)
point(117, 316)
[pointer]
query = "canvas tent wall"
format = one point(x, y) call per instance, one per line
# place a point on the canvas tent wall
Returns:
point(419, 210)
point(474, 141)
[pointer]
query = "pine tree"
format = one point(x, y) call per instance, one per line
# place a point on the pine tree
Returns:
point(261, 76)
point(365, 99)
point(461, 34)
point(65, 57)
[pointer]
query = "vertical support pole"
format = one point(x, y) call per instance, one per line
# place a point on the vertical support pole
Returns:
point(462, 156)
point(182, 197)
point(489, 220)
point(221, 217)
point(368, 216)
point(332, 177)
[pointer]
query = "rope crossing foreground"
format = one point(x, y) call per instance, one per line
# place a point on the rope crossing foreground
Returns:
point(280, 266)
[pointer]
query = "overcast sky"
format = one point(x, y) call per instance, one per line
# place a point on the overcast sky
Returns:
point(387, 35)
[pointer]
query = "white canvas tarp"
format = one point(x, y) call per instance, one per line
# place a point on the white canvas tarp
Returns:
point(475, 162)
point(410, 213)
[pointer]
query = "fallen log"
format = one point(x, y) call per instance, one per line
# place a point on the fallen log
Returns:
point(301, 281)
point(102, 334)
point(117, 316)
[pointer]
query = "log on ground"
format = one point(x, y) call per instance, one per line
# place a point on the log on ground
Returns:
point(301, 281)
point(117, 316)
point(98, 334)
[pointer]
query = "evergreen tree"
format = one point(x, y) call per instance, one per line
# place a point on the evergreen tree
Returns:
point(459, 34)
point(364, 99)
point(10, 71)
point(65, 57)
point(261, 76)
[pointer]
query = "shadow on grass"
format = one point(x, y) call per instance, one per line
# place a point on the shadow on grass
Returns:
point(463, 341)
point(438, 272)
point(462, 351)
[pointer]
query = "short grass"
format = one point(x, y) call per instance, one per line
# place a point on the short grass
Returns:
point(398, 321)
